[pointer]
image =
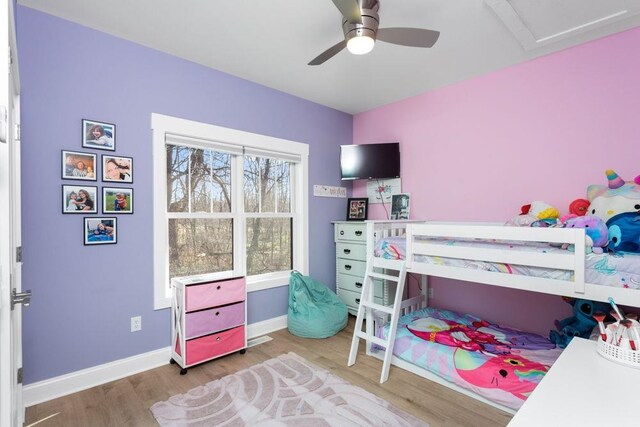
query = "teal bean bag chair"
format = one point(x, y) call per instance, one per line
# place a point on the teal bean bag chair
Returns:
point(314, 310)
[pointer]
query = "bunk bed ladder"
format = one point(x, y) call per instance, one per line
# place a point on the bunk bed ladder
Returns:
point(368, 306)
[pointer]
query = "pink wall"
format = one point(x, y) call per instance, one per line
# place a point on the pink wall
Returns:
point(542, 130)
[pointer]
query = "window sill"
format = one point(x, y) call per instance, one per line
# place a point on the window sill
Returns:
point(268, 281)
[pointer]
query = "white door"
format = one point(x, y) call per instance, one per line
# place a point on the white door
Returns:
point(11, 407)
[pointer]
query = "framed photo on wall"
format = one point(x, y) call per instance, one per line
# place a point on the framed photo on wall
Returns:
point(98, 135)
point(117, 169)
point(117, 200)
point(100, 231)
point(79, 166)
point(357, 209)
point(79, 199)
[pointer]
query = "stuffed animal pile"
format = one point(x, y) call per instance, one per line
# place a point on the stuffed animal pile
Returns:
point(610, 216)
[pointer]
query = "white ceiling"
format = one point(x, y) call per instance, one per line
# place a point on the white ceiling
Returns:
point(271, 41)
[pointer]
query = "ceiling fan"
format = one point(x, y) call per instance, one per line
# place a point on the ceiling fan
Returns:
point(360, 26)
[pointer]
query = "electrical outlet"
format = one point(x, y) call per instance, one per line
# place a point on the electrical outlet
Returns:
point(430, 292)
point(136, 323)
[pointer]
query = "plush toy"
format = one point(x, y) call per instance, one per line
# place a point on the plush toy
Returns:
point(534, 213)
point(578, 325)
point(624, 233)
point(597, 234)
point(616, 198)
point(579, 207)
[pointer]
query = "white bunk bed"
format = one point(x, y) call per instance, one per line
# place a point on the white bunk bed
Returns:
point(420, 245)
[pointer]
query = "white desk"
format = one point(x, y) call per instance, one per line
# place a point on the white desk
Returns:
point(583, 389)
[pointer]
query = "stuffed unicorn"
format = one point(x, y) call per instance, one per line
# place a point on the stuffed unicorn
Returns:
point(616, 198)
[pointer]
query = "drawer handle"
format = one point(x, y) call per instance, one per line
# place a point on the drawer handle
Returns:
point(358, 285)
point(218, 288)
point(358, 233)
point(217, 313)
point(218, 338)
point(347, 251)
point(357, 300)
point(342, 232)
point(347, 267)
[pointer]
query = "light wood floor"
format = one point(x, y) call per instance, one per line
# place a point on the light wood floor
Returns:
point(126, 402)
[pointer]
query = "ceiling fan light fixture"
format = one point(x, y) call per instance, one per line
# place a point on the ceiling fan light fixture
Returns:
point(360, 45)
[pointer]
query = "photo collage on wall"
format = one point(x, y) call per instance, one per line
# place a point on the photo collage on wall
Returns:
point(113, 170)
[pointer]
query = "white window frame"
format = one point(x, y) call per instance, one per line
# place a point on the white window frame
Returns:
point(162, 125)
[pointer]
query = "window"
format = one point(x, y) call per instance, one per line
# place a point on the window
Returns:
point(226, 203)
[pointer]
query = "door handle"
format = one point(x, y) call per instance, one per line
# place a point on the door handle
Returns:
point(23, 298)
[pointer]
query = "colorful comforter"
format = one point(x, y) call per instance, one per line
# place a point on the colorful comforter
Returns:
point(501, 364)
point(617, 270)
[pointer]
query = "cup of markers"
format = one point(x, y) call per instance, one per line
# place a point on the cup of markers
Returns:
point(619, 341)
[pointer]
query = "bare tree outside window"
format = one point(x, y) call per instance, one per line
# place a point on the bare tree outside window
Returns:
point(198, 181)
point(199, 197)
point(267, 190)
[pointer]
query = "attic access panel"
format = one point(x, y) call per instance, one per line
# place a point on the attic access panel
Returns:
point(538, 23)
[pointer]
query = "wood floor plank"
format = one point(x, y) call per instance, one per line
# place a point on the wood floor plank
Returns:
point(126, 402)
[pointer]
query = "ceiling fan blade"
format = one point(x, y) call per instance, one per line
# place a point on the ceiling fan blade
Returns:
point(415, 37)
point(328, 54)
point(350, 9)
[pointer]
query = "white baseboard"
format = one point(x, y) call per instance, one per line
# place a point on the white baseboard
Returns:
point(266, 326)
point(73, 382)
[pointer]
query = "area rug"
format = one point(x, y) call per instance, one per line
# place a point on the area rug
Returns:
point(284, 391)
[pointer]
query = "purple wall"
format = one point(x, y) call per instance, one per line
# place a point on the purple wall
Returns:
point(84, 297)
point(541, 130)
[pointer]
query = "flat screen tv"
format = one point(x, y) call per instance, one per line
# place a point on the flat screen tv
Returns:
point(370, 161)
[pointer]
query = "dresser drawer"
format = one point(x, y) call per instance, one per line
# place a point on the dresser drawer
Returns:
point(354, 284)
point(352, 299)
point(216, 319)
point(213, 294)
point(351, 251)
point(355, 232)
point(351, 267)
point(210, 346)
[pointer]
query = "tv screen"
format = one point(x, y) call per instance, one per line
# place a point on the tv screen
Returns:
point(370, 161)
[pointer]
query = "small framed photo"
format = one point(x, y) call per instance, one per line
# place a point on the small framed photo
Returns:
point(400, 204)
point(79, 199)
point(99, 135)
point(357, 209)
point(117, 169)
point(80, 166)
point(100, 231)
point(117, 200)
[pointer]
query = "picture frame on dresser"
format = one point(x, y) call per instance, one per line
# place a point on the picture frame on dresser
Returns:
point(357, 209)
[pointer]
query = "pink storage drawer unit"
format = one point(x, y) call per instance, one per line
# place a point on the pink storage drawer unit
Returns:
point(210, 346)
point(208, 320)
point(215, 293)
point(215, 319)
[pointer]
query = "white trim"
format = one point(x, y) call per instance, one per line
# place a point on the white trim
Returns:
point(74, 382)
point(266, 326)
point(197, 132)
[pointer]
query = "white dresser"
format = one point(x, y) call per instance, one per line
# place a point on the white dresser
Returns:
point(583, 389)
point(351, 250)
